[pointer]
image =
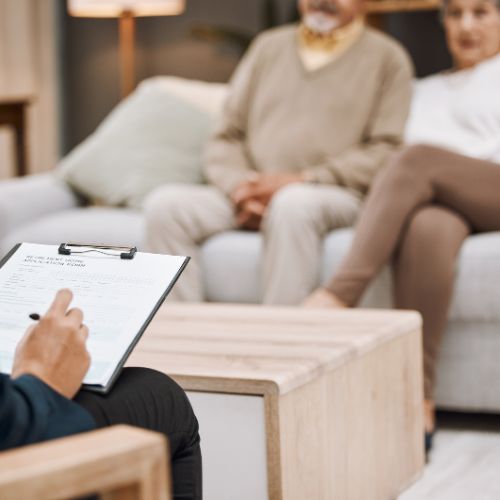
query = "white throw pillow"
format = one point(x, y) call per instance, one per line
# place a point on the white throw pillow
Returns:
point(153, 137)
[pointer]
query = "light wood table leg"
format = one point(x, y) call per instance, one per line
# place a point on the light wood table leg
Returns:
point(362, 420)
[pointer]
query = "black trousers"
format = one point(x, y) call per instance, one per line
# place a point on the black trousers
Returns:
point(151, 400)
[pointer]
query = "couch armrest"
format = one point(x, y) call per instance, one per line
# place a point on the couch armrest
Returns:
point(26, 198)
point(121, 462)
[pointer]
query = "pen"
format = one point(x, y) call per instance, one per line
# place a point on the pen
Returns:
point(34, 316)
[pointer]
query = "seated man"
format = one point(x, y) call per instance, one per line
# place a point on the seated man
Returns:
point(38, 401)
point(314, 112)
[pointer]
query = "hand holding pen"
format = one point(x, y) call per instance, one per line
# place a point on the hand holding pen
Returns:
point(54, 349)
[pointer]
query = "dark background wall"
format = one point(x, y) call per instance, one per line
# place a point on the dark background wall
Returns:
point(182, 46)
point(422, 34)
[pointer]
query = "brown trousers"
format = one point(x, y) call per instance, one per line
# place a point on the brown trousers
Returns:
point(418, 213)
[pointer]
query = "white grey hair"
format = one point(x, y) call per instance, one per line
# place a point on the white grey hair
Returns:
point(444, 6)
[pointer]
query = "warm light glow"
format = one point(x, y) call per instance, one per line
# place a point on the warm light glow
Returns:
point(115, 8)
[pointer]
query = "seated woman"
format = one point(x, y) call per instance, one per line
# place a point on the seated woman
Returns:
point(438, 191)
point(42, 401)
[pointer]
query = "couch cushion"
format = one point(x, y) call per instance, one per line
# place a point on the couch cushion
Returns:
point(109, 226)
point(231, 260)
point(476, 295)
point(153, 137)
point(231, 267)
point(468, 363)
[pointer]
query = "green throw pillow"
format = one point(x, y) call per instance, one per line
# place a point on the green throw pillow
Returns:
point(151, 138)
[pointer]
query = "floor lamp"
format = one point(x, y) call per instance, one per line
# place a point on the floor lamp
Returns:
point(126, 11)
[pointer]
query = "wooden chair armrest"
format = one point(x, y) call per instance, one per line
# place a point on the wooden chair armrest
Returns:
point(121, 462)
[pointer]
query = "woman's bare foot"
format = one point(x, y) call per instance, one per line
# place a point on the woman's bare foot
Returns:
point(322, 298)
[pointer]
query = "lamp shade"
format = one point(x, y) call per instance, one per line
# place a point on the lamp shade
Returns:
point(115, 8)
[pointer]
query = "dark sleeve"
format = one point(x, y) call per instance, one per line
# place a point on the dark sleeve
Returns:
point(30, 411)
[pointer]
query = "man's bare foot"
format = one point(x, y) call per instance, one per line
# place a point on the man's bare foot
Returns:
point(322, 298)
point(429, 415)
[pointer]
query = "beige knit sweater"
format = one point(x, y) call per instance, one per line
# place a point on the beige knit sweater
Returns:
point(339, 123)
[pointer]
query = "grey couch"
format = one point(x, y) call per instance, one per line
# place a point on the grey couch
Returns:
point(42, 209)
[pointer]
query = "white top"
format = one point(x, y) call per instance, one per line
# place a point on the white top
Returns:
point(459, 111)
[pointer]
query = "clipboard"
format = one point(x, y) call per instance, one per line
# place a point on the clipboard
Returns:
point(127, 255)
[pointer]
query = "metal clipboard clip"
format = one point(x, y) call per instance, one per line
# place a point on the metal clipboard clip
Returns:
point(125, 253)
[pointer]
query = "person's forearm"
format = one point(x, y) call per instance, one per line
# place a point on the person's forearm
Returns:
point(30, 411)
point(226, 165)
point(355, 168)
point(226, 161)
point(15, 413)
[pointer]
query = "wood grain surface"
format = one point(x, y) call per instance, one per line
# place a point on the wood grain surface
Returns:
point(342, 389)
point(260, 350)
point(121, 462)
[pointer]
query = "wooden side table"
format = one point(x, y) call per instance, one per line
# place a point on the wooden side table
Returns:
point(296, 404)
point(13, 114)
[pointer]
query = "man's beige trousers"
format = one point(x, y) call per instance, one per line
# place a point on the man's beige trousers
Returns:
point(181, 217)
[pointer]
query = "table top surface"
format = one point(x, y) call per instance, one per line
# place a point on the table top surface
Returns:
point(259, 349)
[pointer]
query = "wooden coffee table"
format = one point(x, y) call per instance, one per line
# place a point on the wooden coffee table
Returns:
point(296, 403)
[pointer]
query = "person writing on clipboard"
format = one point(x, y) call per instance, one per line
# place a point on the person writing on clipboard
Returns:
point(42, 400)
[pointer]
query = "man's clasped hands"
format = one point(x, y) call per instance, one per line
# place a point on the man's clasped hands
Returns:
point(251, 198)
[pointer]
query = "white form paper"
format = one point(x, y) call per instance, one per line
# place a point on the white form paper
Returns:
point(116, 296)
